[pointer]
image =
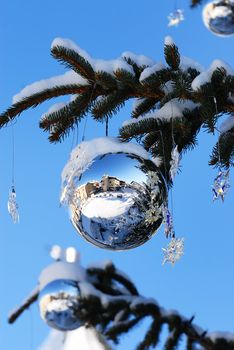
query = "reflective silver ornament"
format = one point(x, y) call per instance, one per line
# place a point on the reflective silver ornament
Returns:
point(218, 17)
point(59, 304)
point(113, 197)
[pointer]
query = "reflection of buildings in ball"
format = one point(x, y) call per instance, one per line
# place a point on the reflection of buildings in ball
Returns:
point(112, 200)
point(59, 304)
point(218, 17)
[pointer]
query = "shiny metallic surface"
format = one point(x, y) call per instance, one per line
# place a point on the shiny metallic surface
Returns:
point(59, 304)
point(114, 200)
point(218, 17)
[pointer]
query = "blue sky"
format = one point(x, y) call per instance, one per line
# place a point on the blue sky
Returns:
point(202, 282)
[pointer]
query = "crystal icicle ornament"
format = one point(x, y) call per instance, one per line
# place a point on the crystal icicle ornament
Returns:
point(168, 222)
point(221, 185)
point(13, 206)
point(175, 17)
point(175, 160)
point(173, 251)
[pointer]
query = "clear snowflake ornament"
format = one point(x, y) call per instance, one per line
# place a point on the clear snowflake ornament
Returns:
point(174, 163)
point(173, 251)
point(168, 223)
point(221, 185)
point(175, 17)
point(12, 206)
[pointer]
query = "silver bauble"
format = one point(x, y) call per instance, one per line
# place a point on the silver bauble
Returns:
point(115, 202)
point(59, 304)
point(218, 17)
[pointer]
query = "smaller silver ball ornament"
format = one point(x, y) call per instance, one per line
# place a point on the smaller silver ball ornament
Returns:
point(218, 17)
point(59, 304)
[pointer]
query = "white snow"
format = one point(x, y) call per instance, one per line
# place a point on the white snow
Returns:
point(139, 300)
point(225, 335)
point(167, 87)
point(98, 65)
point(54, 108)
point(172, 109)
point(205, 77)
point(61, 270)
point(137, 102)
point(108, 207)
point(70, 45)
point(227, 124)
point(187, 62)
point(168, 40)
point(69, 77)
point(140, 60)
point(151, 70)
point(53, 341)
point(82, 338)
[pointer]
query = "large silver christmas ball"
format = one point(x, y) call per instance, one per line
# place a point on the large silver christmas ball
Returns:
point(59, 304)
point(116, 200)
point(218, 17)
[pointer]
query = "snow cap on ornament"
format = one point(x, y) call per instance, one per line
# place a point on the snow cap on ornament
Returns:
point(110, 194)
point(59, 291)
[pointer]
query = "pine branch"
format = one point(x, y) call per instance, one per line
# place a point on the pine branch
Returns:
point(107, 106)
point(25, 305)
point(145, 105)
point(37, 98)
point(223, 151)
point(106, 80)
point(72, 60)
point(195, 3)
point(151, 337)
point(172, 56)
point(71, 114)
point(115, 331)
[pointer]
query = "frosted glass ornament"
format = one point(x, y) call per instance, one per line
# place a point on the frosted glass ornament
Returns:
point(59, 304)
point(218, 17)
point(175, 17)
point(112, 195)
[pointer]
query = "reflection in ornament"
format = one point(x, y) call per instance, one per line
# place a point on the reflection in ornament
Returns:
point(59, 304)
point(174, 163)
point(168, 223)
point(218, 17)
point(174, 250)
point(175, 17)
point(221, 185)
point(13, 206)
point(115, 202)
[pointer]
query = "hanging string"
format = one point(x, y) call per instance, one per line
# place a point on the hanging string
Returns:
point(221, 182)
point(107, 125)
point(75, 137)
point(86, 117)
point(13, 155)
point(12, 204)
point(217, 129)
point(31, 331)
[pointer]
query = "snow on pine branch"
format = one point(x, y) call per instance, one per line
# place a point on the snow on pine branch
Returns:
point(140, 60)
point(205, 76)
point(227, 124)
point(83, 338)
point(69, 78)
point(151, 70)
point(98, 65)
point(172, 109)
